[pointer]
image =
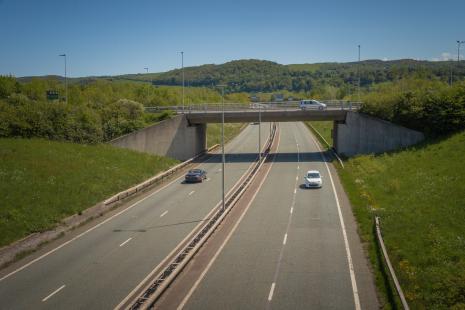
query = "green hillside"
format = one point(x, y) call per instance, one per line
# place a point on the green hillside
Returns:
point(43, 182)
point(265, 76)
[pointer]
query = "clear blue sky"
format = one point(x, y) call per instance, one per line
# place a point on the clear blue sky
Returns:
point(123, 36)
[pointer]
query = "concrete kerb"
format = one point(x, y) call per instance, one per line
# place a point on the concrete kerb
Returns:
point(32, 242)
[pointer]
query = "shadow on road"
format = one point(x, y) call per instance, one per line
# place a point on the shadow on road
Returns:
point(277, 157)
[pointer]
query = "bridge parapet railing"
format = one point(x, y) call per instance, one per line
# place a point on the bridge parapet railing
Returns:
point(254, 106)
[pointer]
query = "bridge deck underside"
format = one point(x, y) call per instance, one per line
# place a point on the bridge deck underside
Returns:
point(266, 116)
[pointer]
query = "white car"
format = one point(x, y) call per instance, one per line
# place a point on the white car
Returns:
point(313, 179)
point(312, 105)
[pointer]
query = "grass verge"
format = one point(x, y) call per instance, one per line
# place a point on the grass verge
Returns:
point(322, 129)
point(230, 131)
point(419, 194)
point(42, 181)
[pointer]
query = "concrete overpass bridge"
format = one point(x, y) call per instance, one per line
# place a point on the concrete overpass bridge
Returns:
point(250, 116)
point(184, 135)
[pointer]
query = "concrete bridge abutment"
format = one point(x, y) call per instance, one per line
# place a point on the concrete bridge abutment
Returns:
point(175, 138)
point(364, 134)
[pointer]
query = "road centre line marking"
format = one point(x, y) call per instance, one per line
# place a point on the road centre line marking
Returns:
point(344, 233)
point(164, 213)
point(54, 292)
point(270, 295)
point(292, 209)
point(296, 178)
point(196, 284)
point(94, 227)
point(191, 193)
point(281, 252)
point(125, 242)
point(295, 190)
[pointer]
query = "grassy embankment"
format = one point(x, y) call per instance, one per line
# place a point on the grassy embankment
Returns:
point(43, 182)
point(324, 129)
point(419, 194)
point(230, 131)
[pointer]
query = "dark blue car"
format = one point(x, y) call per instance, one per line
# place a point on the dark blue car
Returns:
point(196, 175)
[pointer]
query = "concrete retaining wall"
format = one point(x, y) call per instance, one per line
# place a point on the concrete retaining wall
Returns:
point(363, 134)
point(173, 138)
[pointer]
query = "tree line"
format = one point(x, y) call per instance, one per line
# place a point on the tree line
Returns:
point(97, 110)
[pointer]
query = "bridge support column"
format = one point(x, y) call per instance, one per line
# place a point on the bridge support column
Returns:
point(363, 134)
point(173, 137)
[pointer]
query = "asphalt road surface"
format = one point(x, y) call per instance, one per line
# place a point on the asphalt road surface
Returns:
point(102, 262)
point(295, 248)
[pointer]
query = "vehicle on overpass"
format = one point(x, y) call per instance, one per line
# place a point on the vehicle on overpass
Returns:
point(313, 179)
point(195, 175)
point(312, 105)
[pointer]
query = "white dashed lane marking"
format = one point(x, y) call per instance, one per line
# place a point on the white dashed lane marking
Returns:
point(54, 292)
point(270, 295)
point(164, 213)
point(125, 242)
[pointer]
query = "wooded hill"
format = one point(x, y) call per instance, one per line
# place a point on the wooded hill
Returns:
point(266, 76)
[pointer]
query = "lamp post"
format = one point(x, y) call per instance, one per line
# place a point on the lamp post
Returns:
point(458, 50)
point(222, 146)
point(147, 71)
point(182, 67)
point(358, 73)
point(259, 131)
point(66, 80)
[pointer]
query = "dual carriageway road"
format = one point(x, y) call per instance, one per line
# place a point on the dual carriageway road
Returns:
point(291, 248)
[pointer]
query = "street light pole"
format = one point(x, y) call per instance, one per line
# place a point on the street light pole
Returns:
point(222, 147)
point(66, 80)
point(458, 50)
point(182, 66)
point(147, 71)
point(358, 71)
point(259, 131)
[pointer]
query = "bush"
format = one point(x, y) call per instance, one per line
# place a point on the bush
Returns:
point(431, 107)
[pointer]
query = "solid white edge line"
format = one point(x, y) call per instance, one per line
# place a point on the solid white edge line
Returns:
point(94, 227)
point(196, 284)
point(344, 233)
point(125, 242)
point(54, 292)
point(270, 295)
point(285, 239)
point(164, 213)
